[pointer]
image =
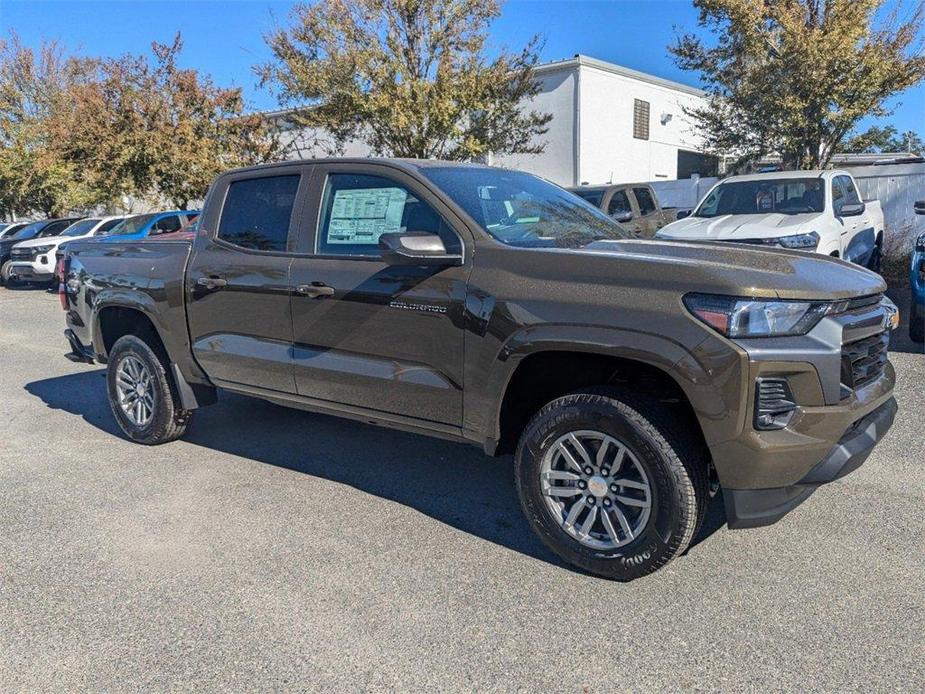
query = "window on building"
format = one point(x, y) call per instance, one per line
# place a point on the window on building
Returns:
point(257, 212)
point(640, 119)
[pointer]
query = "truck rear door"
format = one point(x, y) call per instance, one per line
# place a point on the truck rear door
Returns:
point(366, 333)
point(239, 312)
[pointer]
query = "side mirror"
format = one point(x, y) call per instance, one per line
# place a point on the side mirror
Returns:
point(852, 209)
point(623, 216)
point(919, 207)
point(416, 248)
point(683, 213)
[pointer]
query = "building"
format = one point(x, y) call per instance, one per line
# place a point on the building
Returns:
point(613, 125)
point(610, 125)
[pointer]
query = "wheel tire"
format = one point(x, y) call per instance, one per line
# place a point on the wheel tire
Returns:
point(916, 325)
point(168, 420)
point(5, 275)
point(672, 457)
point(876, 259)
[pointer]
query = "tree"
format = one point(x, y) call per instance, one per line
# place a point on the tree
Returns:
point(35, 89)
point(408, 77)
point(194, 129)
point(794, 77)
point(882, 140)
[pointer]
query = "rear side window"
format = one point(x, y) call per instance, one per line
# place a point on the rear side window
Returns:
point(107, 226)
point(258, 211)
point(165, 225)
point(644, 200)
point(619, 203)
point(358, 209)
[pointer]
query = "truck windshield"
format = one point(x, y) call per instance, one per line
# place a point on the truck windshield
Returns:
point(132, 225)
point(593, 196)
point(519, 209)
point(781, 195)
point(28, 231)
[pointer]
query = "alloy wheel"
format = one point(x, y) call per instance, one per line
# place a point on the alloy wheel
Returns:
point(136, 390)
point(596, 489)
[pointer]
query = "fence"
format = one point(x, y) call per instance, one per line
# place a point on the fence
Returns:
point(897, 187)
point(683, 194)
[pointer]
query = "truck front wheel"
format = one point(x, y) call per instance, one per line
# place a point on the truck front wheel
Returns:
point(142, 395)
point(609, 484)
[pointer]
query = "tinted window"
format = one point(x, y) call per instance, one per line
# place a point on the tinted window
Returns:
point(80, 228)
point(132, 225)
point(56, 228)
point(520, 209)
point(784, 196)
point(258, 211)
point(166, 224)
point(595, 197)
point(619, 203)
point(358, 209)
point(108, 226)
point(28, 231)
point(644, 200)
point(843, 193)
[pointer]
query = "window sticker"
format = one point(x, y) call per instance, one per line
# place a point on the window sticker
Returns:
point(362, 215)
point(765, 201)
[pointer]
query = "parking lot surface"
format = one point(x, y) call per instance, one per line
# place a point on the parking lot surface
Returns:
point(278, 549)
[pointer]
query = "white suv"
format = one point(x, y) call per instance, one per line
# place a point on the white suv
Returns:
point(34, 260)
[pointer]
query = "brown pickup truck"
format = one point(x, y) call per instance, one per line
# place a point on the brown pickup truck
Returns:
point(634, 205)
point(629, 378)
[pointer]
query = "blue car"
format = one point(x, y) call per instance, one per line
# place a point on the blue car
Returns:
point(917, 280)
point(140, 226)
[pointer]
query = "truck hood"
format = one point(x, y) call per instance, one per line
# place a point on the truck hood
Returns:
point(734, 270)
point(47, 241)
point(732, 227)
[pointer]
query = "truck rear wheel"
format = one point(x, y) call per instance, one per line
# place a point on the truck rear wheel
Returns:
point(142, 394)
point(609, 485)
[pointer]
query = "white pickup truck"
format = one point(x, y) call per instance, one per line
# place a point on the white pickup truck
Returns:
point(817, 211)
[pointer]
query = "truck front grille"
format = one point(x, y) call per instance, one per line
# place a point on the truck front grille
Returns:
point(863, 361)
point(21, 254)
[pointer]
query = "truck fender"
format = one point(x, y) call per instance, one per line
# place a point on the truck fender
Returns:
point(717, 409)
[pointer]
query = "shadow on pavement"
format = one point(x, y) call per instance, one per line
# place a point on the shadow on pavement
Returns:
point(452, 483)
point(899, 340)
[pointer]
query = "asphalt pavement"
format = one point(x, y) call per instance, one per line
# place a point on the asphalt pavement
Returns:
point(274, 549)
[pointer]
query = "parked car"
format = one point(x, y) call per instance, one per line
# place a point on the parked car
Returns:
point(625, 375)
point(140, 226)
point(34, 261)
point(634, 205)
point(917, 279)
point(34, 230)
point(7, 230)
point(818, 211)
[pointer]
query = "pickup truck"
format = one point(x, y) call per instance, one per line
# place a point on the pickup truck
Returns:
point(630, 378)
point(635, 206)
point(816, 211)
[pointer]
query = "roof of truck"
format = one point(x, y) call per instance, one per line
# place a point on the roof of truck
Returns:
point(771, 175)
point(410, 164)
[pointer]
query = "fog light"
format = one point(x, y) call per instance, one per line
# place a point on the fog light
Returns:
point(774, 404)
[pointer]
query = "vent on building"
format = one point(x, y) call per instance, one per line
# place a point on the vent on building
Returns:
point(640, 119)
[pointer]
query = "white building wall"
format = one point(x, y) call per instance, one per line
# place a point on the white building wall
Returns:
point(608, 151)
point(558, 94)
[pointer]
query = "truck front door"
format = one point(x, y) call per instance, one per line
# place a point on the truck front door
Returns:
point(239, 312)
point(366, 333)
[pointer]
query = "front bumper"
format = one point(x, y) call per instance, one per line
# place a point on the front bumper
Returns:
point(34, 271)
point(750, 508)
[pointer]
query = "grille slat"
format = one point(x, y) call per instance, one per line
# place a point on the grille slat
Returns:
point(863, 361)
point(21, 254)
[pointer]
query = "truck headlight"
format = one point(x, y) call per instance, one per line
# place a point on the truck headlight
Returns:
point(38, 250)
point(738, 317)
point(801, 241)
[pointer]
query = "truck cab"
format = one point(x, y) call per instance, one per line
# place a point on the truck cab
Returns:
point(633, 205)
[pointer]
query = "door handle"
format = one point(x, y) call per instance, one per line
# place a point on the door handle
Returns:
point(315, 290)
point(211, 282)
